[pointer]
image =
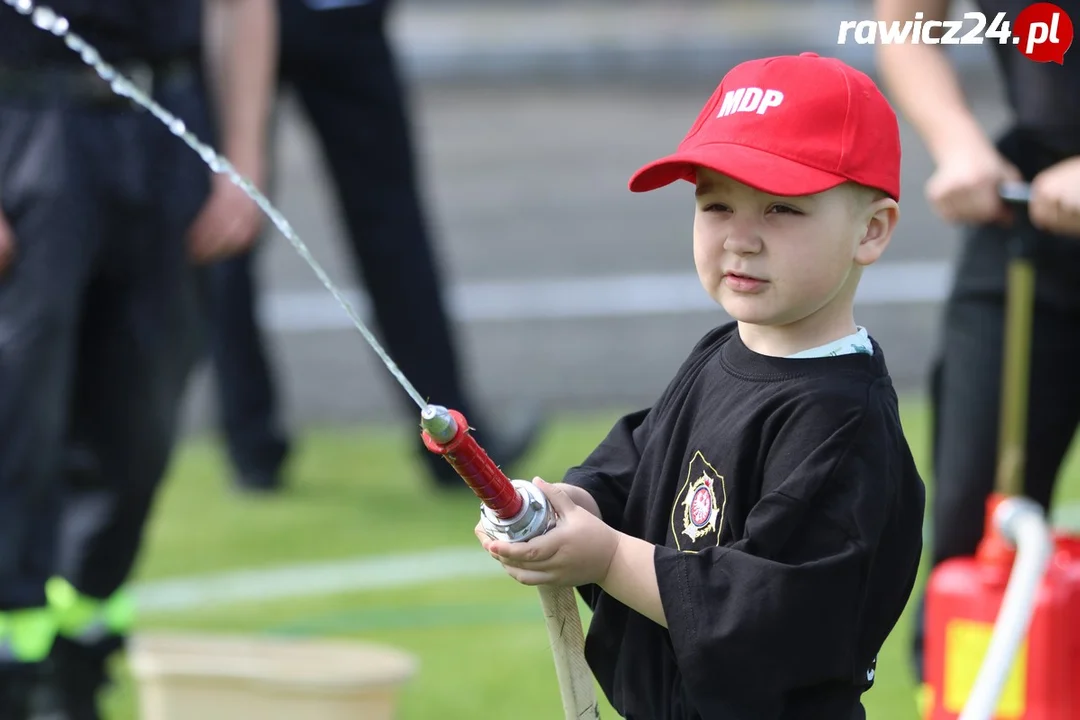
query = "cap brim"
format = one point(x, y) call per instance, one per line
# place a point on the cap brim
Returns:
point(758, 169)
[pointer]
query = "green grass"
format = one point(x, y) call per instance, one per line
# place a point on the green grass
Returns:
point(481, 644)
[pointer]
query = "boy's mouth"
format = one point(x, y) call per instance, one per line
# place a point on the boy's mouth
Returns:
point(741, 282)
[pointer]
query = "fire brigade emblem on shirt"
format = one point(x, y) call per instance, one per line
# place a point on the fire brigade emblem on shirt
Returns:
point(700, 503)
point(701, 508)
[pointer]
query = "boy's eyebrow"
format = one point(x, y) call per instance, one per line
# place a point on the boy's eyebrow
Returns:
point(703, 188)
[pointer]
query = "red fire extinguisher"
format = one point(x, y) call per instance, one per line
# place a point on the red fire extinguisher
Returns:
point(965, 595)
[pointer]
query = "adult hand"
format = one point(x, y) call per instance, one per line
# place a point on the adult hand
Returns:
point(7, 244)
point(1055, 198)
point(964, 187)
point(226, 225)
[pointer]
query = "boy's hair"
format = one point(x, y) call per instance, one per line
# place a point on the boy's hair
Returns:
point(789, 125)
point(870, 194)
point(862, 195)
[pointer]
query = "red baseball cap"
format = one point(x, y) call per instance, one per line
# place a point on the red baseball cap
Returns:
point(789, 125)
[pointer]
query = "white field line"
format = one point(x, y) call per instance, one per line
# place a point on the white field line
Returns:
point(381, 572)
point(313, 579)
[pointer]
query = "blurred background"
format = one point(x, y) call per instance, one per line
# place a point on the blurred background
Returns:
point(566, 290)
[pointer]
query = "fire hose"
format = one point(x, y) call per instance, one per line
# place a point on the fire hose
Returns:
point(511, 510)
point(1023, 524)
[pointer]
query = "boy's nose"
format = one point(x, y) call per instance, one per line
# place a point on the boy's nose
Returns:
point(743, 241)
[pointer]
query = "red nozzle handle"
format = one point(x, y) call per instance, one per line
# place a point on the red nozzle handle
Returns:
point(477, 469)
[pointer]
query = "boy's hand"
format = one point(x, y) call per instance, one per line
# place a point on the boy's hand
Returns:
point(964, 187)
point(577, 551)
point(1055, 198)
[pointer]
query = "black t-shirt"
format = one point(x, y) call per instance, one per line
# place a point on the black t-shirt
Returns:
point(121, 30)
point(787, 513)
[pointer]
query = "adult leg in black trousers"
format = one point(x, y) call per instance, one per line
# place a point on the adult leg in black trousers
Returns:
point(356, 106)
point(139, 338)
point(244, 376)
point(248, 408)
point(54, 214)
point(967, 390)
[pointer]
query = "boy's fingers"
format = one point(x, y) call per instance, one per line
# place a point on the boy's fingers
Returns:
point(486, 542)
point(541, 564)
point(536, 550)
point(560, 500)
point(530, 577)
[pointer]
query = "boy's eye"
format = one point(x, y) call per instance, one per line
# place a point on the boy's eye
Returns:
point(785, 209)
point(781, 209)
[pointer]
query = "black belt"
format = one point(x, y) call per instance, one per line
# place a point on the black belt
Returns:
point(81, 83)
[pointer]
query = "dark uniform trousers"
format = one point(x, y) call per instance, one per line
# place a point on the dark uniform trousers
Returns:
point(966, 381)
point(97, 330)
point(345, 77)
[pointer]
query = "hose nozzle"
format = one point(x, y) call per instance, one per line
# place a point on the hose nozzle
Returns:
point(438, 423)
point(446, 433)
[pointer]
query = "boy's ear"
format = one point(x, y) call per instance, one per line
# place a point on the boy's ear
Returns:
point(881, 218)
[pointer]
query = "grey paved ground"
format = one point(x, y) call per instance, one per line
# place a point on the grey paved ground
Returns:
point(526, 179)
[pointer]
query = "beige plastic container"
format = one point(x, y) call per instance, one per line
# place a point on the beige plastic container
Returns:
point(213, 677)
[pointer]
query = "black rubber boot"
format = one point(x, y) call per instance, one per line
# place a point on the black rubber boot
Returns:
point(28, 692)
point(15, 684)
point(80, 675)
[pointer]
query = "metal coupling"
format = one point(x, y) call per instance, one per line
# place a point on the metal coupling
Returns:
point(535, 518)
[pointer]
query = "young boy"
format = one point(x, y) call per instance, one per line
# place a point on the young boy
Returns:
point(748, 543)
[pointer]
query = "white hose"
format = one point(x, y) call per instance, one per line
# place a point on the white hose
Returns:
point(1023, 523)
point(568, 648)
point(560, 606)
